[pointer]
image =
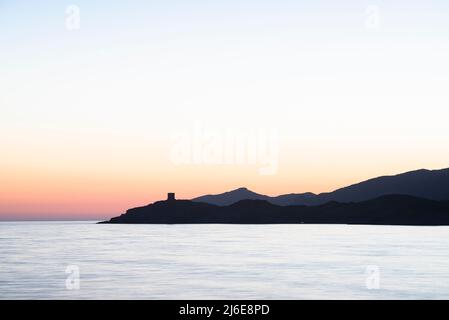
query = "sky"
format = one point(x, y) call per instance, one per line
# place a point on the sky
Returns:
point(107, 105)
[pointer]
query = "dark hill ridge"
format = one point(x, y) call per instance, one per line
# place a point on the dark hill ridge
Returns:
point(414, 198)
point(230, 197)
point(427, 184)
point(385, 210)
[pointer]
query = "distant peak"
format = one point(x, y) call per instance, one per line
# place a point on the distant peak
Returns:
point(241, 190)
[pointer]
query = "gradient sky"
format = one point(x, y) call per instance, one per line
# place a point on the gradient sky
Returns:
point(90, 119)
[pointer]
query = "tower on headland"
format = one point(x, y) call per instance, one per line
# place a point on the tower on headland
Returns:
point(171, 196)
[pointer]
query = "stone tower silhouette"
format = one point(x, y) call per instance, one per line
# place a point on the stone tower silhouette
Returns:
point(171, 196)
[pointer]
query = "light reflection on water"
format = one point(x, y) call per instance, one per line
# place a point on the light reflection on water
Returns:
point(222, 261)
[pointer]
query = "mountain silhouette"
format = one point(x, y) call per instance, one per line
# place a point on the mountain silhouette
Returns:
point(427, 184)
point(414, 198)
point(230, 197)
point(385, 210)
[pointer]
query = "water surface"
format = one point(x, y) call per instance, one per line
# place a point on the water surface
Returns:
point(222, 261)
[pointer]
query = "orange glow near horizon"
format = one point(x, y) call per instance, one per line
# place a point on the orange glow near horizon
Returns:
point(98, 176)
point(33, 194)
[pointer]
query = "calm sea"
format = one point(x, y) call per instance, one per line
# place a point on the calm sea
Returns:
point(72, 260)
